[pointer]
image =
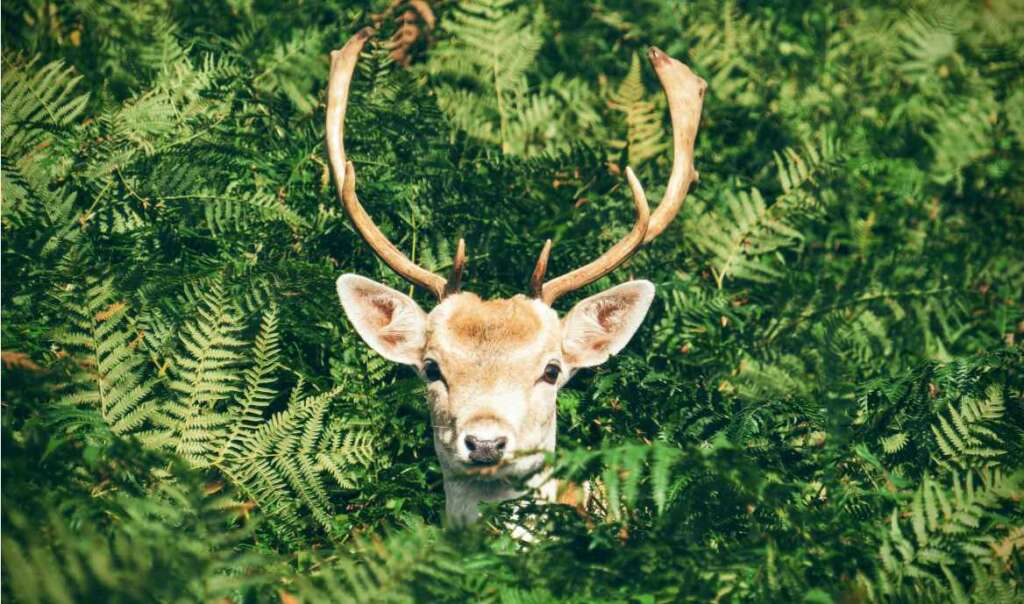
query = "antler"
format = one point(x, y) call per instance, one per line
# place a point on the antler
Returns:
point(685, 93)
point(343, 63)
point(606, 263)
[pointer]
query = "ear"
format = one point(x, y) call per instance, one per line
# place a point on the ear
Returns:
point(388, 320)
point(603, 324)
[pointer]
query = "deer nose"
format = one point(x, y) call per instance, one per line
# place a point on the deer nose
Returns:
point(485, 452)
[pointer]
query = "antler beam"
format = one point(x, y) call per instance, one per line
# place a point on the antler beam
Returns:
point(685, 93)
point(343, 63)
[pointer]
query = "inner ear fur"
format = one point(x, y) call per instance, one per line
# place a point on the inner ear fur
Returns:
point(389, 321)
point(601, 325)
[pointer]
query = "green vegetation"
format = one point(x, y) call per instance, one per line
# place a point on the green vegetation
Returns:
point(825, 404)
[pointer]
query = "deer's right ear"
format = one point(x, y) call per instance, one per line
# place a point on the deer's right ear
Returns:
point(388, 320)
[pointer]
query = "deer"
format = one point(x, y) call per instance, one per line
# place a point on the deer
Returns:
point(493, 368)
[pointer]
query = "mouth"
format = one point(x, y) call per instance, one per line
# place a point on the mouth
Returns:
point(517, 467)
point(483, 464)
point(481, 470)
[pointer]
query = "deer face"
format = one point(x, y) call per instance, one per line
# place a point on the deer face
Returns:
point(493, 368)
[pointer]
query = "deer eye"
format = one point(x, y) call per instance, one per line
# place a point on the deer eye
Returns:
point(551, 373)
point(432, 371)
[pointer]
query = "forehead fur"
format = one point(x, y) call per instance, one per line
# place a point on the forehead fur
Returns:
point(465, 322)
point(474, 321)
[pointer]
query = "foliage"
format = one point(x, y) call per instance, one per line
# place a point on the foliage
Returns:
point(481, 77)
point(825, 403)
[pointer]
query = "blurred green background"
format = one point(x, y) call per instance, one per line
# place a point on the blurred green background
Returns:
point(824, 404)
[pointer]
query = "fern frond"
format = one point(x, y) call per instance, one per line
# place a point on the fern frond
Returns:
point(247, 415)
point(894, 443)
point(113, 380)
point(280, 463)
point(417, 561)
point(645, 136)
point(37, 100)
point(945, 528)
point(350, 447)
point(204, 377)
point(796, 167)
point(625, 471)
point(741, 243)
point(964, 436)
point(41, 108)
point(480, 74)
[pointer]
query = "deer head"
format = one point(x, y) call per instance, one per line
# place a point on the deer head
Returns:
point(493, 367)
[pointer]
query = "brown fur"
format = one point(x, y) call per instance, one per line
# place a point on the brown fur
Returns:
point(511, 321)
point(486, 417)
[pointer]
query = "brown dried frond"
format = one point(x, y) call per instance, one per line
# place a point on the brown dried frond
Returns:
point(18, 360)
point(110, 311)
point(416, 21)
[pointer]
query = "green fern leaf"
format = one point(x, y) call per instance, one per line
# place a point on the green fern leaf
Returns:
point(115, 381)
point(645, 136)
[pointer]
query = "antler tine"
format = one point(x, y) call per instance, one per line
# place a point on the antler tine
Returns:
point(537, 278)
point(685, 93)
point(454, 283)
point(607, 262)
point(343, 63)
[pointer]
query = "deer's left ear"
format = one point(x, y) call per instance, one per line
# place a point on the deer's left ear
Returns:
point(603, 324)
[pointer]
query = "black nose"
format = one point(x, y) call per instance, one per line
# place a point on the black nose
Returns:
point(485, 452)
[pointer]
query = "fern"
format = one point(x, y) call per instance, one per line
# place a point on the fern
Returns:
point(834, 350)
point(38, 99)
point(481, 80)
point(170, 542)
point(623, 472)
point(415, 564)
point(894, 443)
point(350, 446)
point(236, 212)
point(992, 585)
point(41, 108)
point(175, 109)
point(795, 168)
point(926, 42)
point(492, 46)
point(763, 379)
point(964, 437)
point(744, 242)
point(944, 527)
point(247, 415)
point(278, 462)
point(290, 68)
point(728, 44)
point(645, 137)
point(692, 313)
point(219, 419)
point(112, 378)
point(204, 378)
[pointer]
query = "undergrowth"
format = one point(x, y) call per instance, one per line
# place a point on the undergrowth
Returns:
point(824, 404)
